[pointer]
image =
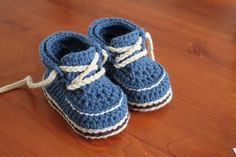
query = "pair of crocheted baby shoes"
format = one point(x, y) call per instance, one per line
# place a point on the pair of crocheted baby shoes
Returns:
point(75, 83)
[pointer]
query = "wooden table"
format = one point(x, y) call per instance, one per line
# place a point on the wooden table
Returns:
point(194, 39)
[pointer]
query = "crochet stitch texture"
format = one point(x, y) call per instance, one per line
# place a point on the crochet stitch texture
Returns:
point(95, 110)
point(144, 81)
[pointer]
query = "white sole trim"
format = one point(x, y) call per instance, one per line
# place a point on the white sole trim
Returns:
point(169, 98)
point(153, 108)
point(84, 130)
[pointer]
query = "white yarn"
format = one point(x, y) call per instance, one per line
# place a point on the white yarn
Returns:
point(76, 83)
point(105, 56)
point(123, 59)
point(29, 82)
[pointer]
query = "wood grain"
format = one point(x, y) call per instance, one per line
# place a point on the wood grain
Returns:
point(195, 40)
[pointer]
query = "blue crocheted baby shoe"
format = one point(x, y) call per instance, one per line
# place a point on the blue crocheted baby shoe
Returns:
point(143, 80)
point(75, 86)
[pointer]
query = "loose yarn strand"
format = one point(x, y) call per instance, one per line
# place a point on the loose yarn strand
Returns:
point(29, 82)
point(76, 83)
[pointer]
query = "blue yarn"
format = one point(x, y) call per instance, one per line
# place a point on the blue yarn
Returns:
point(142, 73)
point(73, 49)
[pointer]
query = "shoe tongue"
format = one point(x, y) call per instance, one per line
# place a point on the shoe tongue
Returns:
point(125, 40)
point(79, 58)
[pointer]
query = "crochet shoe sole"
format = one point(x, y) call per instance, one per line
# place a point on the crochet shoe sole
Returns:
point(89, 133)
point(154, 105)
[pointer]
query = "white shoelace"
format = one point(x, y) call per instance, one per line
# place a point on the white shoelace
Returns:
point(76, 83)
point(123, 59)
